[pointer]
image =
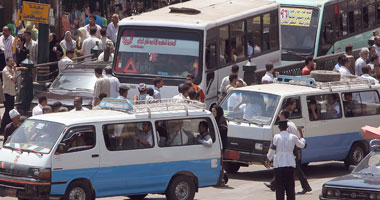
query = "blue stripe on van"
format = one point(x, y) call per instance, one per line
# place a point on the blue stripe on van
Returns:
point(329, 147)
point(137, 179)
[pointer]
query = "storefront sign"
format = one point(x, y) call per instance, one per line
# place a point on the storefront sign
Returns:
point(35, 12)
point(296, 16)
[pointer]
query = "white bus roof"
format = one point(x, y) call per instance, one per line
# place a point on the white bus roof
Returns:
point(95, 116)
point(212, 13)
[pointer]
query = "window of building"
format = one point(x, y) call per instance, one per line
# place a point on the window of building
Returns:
point(324, 107)
point(128, 136)
point(182, 131)
point(293, 104)
point(361, 103)
point(78, 139)
point(254, 33)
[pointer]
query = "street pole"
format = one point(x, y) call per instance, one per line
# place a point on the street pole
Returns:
point(43, 40)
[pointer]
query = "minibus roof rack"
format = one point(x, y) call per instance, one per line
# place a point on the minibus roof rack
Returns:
point(152, 106)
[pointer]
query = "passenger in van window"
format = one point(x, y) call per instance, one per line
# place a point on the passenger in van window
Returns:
point(177, 134)
point(333, 107)
point(144, 137)
point(162, 133)
point(313, 110)
point(291, 105)
point(349, 105)
point(204, 137)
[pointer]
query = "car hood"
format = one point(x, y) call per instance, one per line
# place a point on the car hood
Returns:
point(356, 180)
point(65, 97)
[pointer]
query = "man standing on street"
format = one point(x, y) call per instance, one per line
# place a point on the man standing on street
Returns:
point(309, 66)
point(9, 88)
point(226, 80)
point(114, 82)
point(91, 24)
point(377, 46)
point(361, 61)
point(11, 127)
point(42, 102)
point(158, 83)
point(6, 42)
point(269, 77)
point(78, 101)
point(65, 62)
point(102, 85)
point(90, 43)
point(281, 151)
point(113, 28)
point(32, 46)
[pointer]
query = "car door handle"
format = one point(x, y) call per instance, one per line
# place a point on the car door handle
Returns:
point(95, 155)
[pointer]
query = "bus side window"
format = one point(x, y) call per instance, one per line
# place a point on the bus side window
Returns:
point(254, 35)
point(371, 14)
point(238, 43)
point(328, 30)
point(342, 19)
point(225, 48)
point(270, 31)
point(211, 48)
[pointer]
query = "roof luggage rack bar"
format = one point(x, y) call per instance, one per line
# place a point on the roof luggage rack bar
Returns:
point(347, 83)
point(297, 80)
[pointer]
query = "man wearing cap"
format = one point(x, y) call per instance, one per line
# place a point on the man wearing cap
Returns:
point(281, 152)
point(11, 127)
point(114, 82)
point(143, 96)
point(78, 101)
point(102, 85)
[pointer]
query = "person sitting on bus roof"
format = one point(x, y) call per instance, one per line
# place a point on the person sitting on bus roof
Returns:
point(144, 137)
point(226, 80)
point(343, 70)
point(183, 90)
point(333, 107)
point(268, 77)
point(310, 65)
point(204, 137)
point(361, 61)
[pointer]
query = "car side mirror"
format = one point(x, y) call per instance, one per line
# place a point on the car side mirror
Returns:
point(351, 168)
point(60, 149)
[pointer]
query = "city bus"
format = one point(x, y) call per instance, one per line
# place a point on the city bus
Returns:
point(317, 28)
point(202, 38)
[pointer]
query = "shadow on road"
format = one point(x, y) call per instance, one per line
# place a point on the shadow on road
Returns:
point(313, 171)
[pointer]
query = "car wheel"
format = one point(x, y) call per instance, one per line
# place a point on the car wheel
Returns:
point(78, 190)
point(355, 155)
point(137, 197)
point(181, 188)
point(231, 168)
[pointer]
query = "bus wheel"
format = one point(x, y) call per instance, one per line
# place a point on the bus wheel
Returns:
point(231, 168)
point(78, 190)
point(137, 197)
point(181, 188)
point(356, 154)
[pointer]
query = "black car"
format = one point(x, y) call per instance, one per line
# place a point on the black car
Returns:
point(69, 84)
point(362, 183)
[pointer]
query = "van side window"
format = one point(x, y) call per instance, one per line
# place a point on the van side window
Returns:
point(323, 107)
point(294, 106)
point(128, 136)
point(79, 139)
point(182, 132)
point(361, 103)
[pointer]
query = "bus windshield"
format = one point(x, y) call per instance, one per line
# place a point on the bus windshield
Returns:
point(298, 30)
point(160, 52)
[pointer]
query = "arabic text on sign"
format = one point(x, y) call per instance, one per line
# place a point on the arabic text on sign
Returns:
point(296, 16)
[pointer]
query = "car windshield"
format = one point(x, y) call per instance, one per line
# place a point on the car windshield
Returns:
point(253, 107)
point(74, 81)
point(298, 30)
point(370, 164)
point(35, 135)
point(159, 52)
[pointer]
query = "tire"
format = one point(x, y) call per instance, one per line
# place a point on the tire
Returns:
point(181, 188)
point(325, 75)
point(137, 197)
point(78, 190)
point(355, 155)
point(231, 168)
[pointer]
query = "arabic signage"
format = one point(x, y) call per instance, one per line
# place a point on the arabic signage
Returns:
point(296, 16)
point(35, 12)
point(129, 43)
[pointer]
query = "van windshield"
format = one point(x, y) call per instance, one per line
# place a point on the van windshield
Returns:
point(35, 135)
point(253, 107)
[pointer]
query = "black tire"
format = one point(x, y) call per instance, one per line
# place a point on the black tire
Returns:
point(355, 155)
point(231, 168)
point(78, 188)
point(325, 75)
point(137, 197)
point(181, 188)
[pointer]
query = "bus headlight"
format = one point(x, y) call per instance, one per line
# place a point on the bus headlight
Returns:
point(259, 146)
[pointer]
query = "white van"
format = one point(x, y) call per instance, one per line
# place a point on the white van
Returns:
point(330, 114)
point(99, 153)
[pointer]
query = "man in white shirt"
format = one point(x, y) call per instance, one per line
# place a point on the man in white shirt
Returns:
point(9, 76)
point(90, 43)
point(114, 82)
point(37, 110)
point(104, 39)
point(281, 151)
point(183, 90)
point(361, 61)
point(365, 74)
point(92, 24)
point(204, 137)
point(268, 77)
point(101, 87)
point(377, 45)
point(6, 42)
point(113, 28)
point(65, 62)
point(111, 49)
point(226, 80)
point(78, 101)
point(343, 70)
point(158, 84)
point(32, 46)
point(144, 137)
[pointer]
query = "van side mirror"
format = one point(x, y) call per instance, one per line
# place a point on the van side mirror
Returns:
point(351, 168)
point(60, 149)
